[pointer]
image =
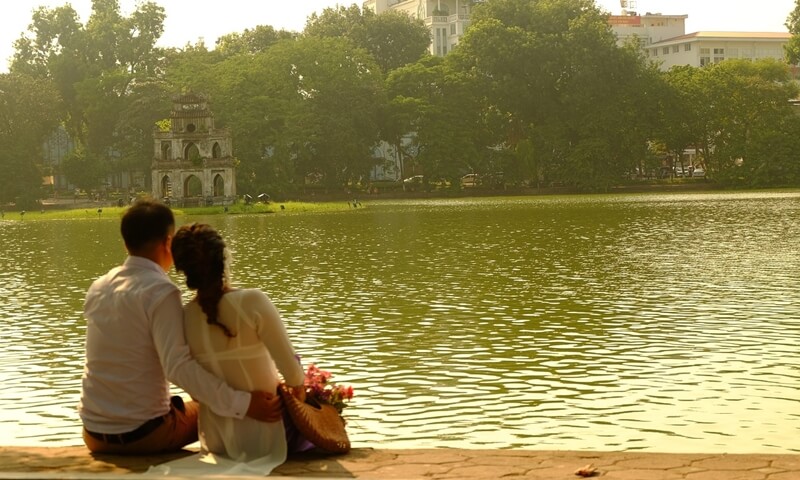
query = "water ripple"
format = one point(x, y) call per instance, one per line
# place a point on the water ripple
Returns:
point(637, 322)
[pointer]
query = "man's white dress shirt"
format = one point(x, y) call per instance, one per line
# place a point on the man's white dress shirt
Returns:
point(135, 346)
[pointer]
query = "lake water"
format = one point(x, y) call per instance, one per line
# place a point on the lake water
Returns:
point(612, 322)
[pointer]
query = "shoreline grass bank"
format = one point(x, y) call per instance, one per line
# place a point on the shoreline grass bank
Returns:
point(97, 210)
point(340, 201)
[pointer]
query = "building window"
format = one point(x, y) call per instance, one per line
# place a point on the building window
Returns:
point(705, 51)
point(192, 187)
point(675, 48)
point(687, 47)
point(219, 186)
point(719, 51)
point(718, 59)
point(442, 47)
point(166, 186)
point(655, 52)
point(733, 53)
point(452, 29)
point(191, 152)
point(705, 61)
point(166, 151)
point(665, 50)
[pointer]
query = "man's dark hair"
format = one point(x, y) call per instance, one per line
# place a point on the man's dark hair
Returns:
point(145, 222)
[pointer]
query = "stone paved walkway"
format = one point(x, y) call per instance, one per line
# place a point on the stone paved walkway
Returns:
point(77, 462)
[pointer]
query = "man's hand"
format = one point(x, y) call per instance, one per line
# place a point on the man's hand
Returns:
point(265, 406)
point(299, 392)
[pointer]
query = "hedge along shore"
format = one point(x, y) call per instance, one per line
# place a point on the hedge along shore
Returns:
point(445, 464)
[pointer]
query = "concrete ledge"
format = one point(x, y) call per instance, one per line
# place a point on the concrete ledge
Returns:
point(77, 462)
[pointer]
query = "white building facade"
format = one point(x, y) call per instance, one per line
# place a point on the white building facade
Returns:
point(446, 19)
point(664, 39)
point(648, 28)
point(703, 48)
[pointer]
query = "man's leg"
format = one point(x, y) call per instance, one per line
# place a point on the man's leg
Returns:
point(178, 430)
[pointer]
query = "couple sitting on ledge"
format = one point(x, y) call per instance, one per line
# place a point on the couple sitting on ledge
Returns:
point(224, 348)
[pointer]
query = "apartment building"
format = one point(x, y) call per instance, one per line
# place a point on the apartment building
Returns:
point(446, 19)
point(648, 28)
point(664, 39)
point(702, 48)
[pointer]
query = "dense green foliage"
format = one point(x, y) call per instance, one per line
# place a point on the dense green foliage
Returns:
point(536, 89)
point(104, 72)
point(29, 111)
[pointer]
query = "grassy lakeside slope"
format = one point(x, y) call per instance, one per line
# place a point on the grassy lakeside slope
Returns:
point(238, 209)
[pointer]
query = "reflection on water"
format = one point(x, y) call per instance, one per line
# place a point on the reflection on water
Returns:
point(650, 322)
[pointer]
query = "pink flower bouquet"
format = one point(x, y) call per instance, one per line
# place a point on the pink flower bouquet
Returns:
point(319, 387)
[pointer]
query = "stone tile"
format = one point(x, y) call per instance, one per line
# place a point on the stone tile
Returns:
point(523, 453)
point(487, 471)
point(791, 475)
point(728, 474)
point(787, 462)
point(641, 474)
point(416, 470)
point(559, 471)
point(686, 470)
point(662, 462)
point(517, 462)
point(733, 462)
point(437, 457)
point(770, 470)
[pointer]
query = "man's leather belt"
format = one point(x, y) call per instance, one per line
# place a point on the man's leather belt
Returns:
point(129, 437)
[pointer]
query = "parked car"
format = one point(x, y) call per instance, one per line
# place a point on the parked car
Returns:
point(470, 180)
point(698, 172)
point(413, 183)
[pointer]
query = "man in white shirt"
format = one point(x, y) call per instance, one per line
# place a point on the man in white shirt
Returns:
point(135, 346)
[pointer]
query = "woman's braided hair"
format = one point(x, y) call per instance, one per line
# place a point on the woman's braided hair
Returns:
point(199, 252)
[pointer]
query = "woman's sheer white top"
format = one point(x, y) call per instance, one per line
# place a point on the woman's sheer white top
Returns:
point(250, 360)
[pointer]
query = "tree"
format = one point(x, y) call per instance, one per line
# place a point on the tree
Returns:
point(84, 169)
point(96, 67)
point(301, 107)
point(752, 102)
point(793, 25)
point(441, 107)
point(252, 41)
point(191, 68)
point(680, 113)
point(738, 116)
point(393, 38)
point(553, 76)
point(29, 111)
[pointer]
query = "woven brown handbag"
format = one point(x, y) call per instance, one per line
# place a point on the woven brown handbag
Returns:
point(320, 423)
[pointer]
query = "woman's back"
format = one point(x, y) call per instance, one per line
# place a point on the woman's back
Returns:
point(249, 360)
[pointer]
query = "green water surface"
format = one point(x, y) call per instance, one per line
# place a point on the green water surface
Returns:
point(613, 322)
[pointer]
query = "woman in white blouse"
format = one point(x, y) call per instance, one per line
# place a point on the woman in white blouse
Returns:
point(238, 335)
